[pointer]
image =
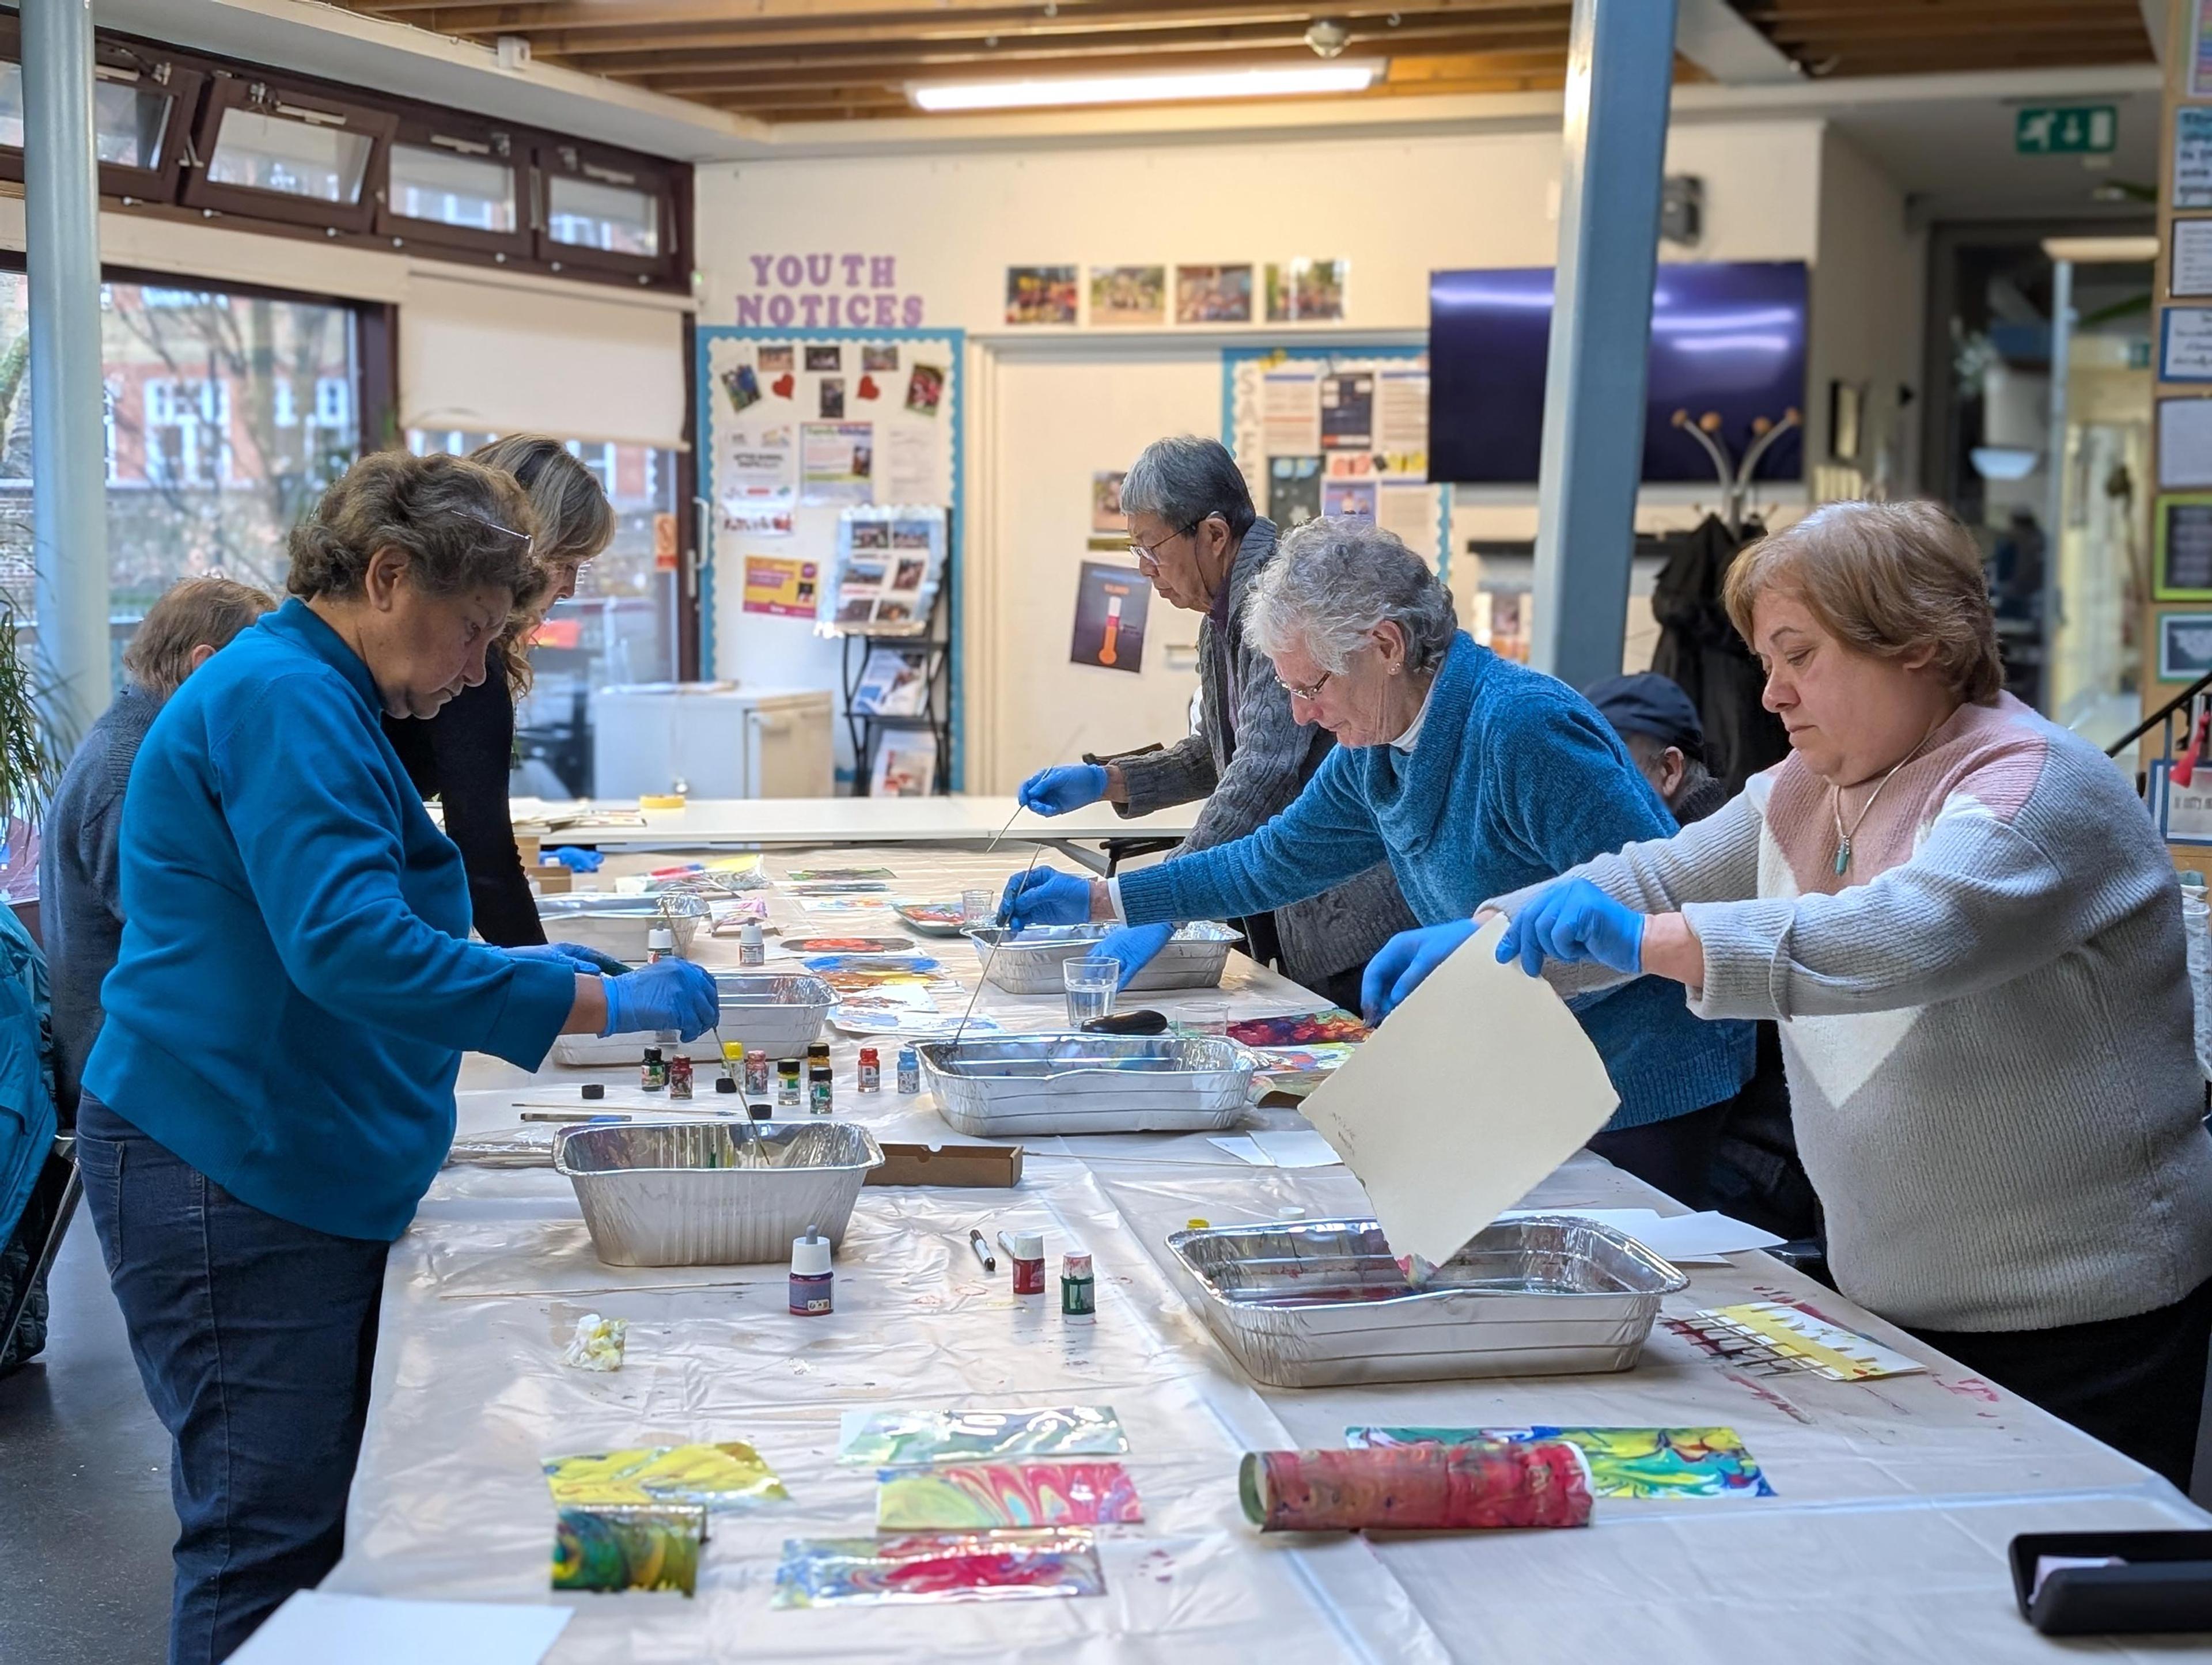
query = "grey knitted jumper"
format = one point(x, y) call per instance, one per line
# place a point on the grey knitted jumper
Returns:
point(1986, 1022)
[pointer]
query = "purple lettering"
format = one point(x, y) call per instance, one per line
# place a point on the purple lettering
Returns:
point(853, 263)
point(761, 263)
point(819, 268)
point(809, 308)
point(914, 312)
point(886, 311)
point(780, 310)
point(749, 311)
point(789, 271)
point(882, 272)
point(831, 301)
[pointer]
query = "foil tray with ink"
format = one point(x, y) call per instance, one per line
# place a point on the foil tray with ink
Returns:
point(1320, 1304)
point(1010, 1084)
point(1028, 961)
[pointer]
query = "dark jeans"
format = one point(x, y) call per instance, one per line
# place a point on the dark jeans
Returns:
point(2137, 1383)
point(1676, 1155)
point(254, 1337)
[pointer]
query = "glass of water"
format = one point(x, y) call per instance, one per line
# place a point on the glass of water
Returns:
point(1089, 985)
point(978, 907)
point(1202, 1018)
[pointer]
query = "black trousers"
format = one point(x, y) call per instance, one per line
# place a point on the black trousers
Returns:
point(2137, 1383)
point(1676, 1155)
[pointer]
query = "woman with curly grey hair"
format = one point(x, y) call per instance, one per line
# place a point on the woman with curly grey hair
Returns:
point(272, 1089)
point(1457, 767)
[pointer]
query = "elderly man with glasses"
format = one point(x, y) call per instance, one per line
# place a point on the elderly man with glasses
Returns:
point(1193, 532)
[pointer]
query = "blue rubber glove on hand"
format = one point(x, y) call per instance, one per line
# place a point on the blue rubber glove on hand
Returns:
point(1063, 787)
point(1573, 920)
point(575, 859)
point(1402, 963)
point(1042, 896)
point(1133, 946)
point(666, 994)
point(576, 955)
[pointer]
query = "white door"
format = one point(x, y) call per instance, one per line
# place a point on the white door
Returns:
point(1049, 416)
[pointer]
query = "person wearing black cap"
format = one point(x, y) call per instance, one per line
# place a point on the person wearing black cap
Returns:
point(1659, 724)
point(1755, 1174)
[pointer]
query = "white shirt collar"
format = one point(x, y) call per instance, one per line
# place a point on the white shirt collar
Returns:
point(1411, 736)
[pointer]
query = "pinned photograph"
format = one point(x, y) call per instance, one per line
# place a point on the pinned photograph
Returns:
point(879, 358)
point(1106, 501)
point(833, 398)
point(1306, 291)
point(743, 387)
point(1041, 295)
point(831, 357)
point(1128, 297)
point(1214, 294)
point(925, 389)
point(774, 357)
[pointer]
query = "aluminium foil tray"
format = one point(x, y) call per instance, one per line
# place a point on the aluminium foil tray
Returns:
point(1003, 1085)
point(1028, 961)
point(776, 1013)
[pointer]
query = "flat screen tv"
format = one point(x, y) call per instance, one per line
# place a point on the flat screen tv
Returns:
point(1724, 338)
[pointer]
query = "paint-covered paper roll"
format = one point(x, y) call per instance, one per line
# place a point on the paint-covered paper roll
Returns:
point(1417, 1488)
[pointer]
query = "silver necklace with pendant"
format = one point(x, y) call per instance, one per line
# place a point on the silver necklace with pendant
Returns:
point(1844, 835)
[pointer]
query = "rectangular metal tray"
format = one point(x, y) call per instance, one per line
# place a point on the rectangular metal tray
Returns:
point(1011, 1085)
point(618, 925)
point(713, 1193)
point(1028, 961)
point(1321, 1304)
point(772, 1012)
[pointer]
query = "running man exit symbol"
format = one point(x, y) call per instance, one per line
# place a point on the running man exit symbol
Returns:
point(2086, 130)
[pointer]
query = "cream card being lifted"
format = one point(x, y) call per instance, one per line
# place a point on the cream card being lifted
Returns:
point(1477, 1087)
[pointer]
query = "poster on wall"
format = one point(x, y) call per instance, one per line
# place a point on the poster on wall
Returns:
point(2186, 347)
point(1347, 412)
point(925, 387)
point(2200, 50)
point(1306, 291)
point(2184, 443)
point(836, 463)
point(1041, 295)
point(782, 586)
point(1106, 501)
point(2191, 269)
point(1293, 490)
point(1214, 294)
point(1410, 511)
point(1128, 296)
point(2184, 647)
point(2192, 155)
point(1111, 604)
point(1351, 498)
point(1402, 421)
point(890, 562)
point(2182, 523)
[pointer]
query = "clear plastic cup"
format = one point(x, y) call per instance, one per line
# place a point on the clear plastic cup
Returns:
point(1202, 1018)
point(1089, 985)
point(978, 907)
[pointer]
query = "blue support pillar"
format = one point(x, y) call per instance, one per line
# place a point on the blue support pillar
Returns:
point(1621, 70)
point(69, 431)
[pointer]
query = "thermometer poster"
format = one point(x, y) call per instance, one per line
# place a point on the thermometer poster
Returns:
point(1109, 617)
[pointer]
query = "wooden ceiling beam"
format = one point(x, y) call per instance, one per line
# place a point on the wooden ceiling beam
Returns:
point(631, 16)
point(1935, 31)
point(603, 55)
point(1225, 38)
point(1230, 55)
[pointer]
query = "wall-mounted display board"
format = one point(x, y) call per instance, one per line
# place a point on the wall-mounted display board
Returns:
point(1343, 432)
point(2184, 572)
point(797, 429)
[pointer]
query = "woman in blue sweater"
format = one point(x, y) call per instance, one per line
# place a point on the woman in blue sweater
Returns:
point(273, 1088)
point(1455, 766)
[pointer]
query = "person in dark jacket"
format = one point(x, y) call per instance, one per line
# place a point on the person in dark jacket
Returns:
point(464, 755)
point(1193, 532)
point(1659, 726)
point(80, 887)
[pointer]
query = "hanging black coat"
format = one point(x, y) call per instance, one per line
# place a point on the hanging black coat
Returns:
point(1700, 649)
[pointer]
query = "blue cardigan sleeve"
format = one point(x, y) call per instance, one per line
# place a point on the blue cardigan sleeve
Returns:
point(1326, 835)
point(1572, 794)
point(323, 859)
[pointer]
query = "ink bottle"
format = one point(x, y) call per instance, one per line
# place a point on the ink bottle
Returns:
point(1026, 1250)
point(1079, 1288)
point(910, 1071)
point(679, 1076)
point(787, 1083)
point(871, 1069)
point(652, 1073)
point(811, 1276)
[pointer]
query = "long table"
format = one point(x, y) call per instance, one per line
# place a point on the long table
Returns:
point(1886, 1539)
point(706, 823)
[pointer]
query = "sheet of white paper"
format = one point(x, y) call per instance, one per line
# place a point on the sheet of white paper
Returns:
point(370, 1629)
point(1704, 1236)
point(1296, 1148)
point(1241, 1146)
point(1473, 1090)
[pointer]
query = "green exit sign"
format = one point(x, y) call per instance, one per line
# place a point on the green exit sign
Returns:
point(2073, 130)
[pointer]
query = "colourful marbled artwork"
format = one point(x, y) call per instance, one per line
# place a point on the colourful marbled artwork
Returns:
point(728, 1475)
point(1624, 1462)
point(901, 1439)
point(874, 968)
point(627, 1548)
point(832, 875)
point(1300, 1061)
point(938, 1566)
point(1015, 1495)
point(1307, 1029)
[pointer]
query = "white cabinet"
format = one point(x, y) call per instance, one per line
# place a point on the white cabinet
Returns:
point(711, 740)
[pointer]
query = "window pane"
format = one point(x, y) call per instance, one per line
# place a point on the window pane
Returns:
point(619, 627)
point(128, 118)
point(474, 192)
point(590, 214)
point(214, 449)
point(292, 158)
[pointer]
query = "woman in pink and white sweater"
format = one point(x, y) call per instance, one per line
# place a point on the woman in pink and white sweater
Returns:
point(1970, 933)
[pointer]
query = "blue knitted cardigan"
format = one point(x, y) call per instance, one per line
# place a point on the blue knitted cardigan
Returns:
point(1515, 778)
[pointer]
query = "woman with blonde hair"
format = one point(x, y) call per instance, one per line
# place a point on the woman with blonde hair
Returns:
point(1970, 933)
point(464, 755)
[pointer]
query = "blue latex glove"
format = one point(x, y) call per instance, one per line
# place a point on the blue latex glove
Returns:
point(1402, 963)
point(589, 961)
point(576, 859)
point(1134, 945)
point(1042, 896)
point(1063, 787)
point(1571, 919)
point(666, 994)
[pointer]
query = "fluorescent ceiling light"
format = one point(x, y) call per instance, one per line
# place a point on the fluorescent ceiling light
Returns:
point(1338, 77)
